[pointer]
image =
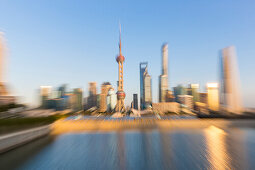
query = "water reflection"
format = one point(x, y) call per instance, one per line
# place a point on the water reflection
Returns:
point(216, 148)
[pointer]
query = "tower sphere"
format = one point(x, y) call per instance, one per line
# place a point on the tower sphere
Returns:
point(120, 58)
point(121, 95)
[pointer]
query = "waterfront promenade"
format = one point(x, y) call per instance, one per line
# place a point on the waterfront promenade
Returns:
point(89, 124)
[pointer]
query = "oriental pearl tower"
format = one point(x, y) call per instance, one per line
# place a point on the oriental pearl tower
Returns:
point(120, 94)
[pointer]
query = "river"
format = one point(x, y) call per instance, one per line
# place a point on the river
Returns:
point(206, 148)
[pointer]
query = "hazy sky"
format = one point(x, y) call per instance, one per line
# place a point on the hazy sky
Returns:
point(52, 42)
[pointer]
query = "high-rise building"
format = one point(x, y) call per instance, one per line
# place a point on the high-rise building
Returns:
point(163, 78)
point(111, 100)
point(105, 87)
point(230, 97)
point(186, 100)
point(120, 107)
point(213, 96)
point(92, 99)
point(135, 101)
point(145, 86)
point(143, 67)
point(193, 91)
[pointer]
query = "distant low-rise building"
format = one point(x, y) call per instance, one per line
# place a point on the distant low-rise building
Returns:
point(164, 107)
point(186, 100)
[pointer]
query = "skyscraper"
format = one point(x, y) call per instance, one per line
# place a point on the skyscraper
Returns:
point(230, 98)
point(120, 107)
point(163, 78)
point(135, 101)
point(145, 86)
point(143, 67)
point(213, 96)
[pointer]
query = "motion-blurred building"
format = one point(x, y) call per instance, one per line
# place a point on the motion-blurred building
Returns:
point(170, 96)
point(166, 107)
point(186, 100)
point(203, 97)
point(92, 98)
point(78, 99)
point(5, 97)
point(163, 78)
point(179, 90)
point(145, 86)
point(105, 87)
point(135, 101)
point(193, 91)
point(230, 97)
point(213, 96)
point(111, 100)
point(45, 92)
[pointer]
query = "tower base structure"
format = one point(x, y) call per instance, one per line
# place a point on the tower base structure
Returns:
point(120, 107)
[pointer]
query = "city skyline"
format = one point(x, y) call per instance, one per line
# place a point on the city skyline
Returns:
point(51, 66)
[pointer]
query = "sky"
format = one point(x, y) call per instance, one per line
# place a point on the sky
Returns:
point(75, 42)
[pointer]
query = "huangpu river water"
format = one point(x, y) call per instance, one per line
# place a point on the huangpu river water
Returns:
point(207, 148)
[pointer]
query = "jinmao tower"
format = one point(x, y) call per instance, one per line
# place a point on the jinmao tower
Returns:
point(120, 107)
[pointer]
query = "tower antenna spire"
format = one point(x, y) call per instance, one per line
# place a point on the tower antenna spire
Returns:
point(120, 37)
